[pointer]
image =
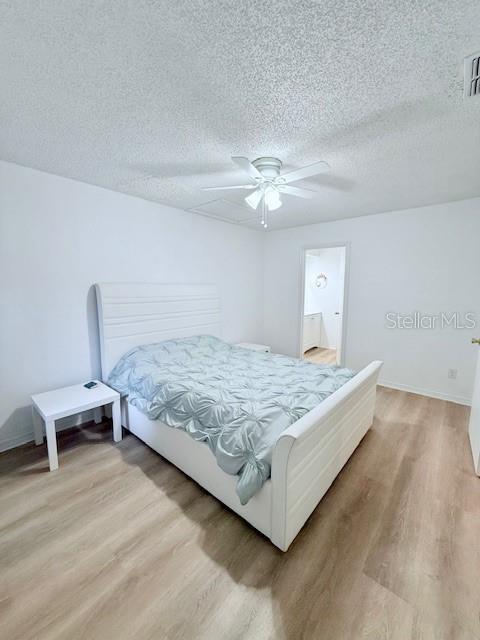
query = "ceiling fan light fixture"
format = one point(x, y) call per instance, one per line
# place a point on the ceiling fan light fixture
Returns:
point(253, 200)
point(272, 199)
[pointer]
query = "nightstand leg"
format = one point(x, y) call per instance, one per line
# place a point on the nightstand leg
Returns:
point(98, 414)
point(117, 421)
point(52, 444)
point(37, 426)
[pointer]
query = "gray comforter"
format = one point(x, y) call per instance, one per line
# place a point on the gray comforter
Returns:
point(237, 400)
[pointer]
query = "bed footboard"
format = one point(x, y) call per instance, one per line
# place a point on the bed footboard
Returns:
point(309, 455)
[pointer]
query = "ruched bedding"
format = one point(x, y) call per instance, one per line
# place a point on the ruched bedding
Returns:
point(236, 400)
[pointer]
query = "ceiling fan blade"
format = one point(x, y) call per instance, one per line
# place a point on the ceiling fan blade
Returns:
point(295, 191)
point(247, 166)
point(305, 172)
point(254, 198)
point(235, 186)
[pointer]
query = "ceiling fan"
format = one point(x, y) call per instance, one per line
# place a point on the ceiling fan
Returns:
point(269, 185)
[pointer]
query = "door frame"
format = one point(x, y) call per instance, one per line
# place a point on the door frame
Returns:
point(346, 284)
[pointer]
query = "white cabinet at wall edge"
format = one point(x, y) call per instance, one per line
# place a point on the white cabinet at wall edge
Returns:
point(312, 331)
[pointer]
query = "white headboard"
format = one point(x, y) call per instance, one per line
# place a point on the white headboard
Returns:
point(135, 313)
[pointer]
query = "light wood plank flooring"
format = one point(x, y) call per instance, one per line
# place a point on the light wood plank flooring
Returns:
point(321, 356)
point(118, 544)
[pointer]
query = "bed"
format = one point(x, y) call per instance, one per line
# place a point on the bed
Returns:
point(307, 456)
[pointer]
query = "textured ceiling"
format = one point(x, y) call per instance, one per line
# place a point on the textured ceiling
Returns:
point(152, 98)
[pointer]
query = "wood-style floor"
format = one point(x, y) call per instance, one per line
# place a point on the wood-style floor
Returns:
point(321, 356)
point(118, 544)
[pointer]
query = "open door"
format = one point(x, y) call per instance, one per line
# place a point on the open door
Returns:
point(322, 311)
point(341, 303)
point(474, 426)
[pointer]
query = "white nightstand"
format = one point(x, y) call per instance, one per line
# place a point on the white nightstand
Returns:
point(53, 405)
point(254, 347)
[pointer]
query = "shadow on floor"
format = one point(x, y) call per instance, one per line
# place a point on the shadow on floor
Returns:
point(306, 585)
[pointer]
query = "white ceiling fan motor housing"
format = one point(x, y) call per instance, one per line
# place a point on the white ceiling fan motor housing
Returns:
point(268, 167)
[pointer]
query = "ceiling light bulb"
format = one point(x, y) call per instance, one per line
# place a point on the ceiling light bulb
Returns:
point(272, 199)
point(254, 198)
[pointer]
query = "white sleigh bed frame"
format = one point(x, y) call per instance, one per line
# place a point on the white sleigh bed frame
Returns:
point(307, 456)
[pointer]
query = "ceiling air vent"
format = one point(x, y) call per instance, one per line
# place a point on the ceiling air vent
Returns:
point(472, 76)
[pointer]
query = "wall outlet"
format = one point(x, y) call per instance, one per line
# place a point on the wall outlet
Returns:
point(452, 374)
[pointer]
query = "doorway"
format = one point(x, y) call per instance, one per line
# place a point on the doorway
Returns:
point(322, 314)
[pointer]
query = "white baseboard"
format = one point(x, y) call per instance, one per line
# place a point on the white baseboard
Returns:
point(426, 392)
point(15, 441)
point(26, 434)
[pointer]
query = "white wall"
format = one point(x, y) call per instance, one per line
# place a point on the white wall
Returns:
point(425, 259)
point(327, 300)
point(58, 237)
